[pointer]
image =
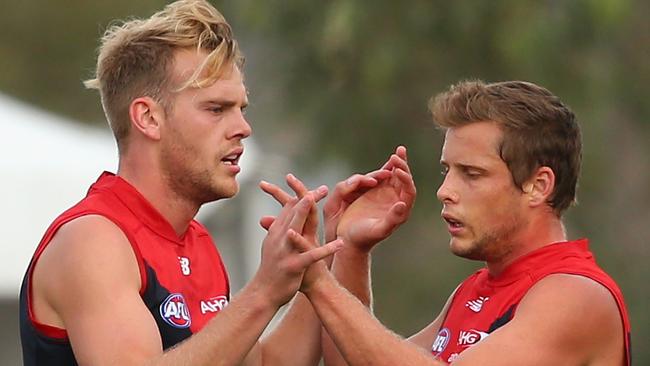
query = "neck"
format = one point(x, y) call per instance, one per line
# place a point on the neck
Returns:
point(177, 210)
point(536, 234)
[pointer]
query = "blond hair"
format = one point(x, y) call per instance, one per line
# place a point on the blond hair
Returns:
point(135, 57)
point(538, 130)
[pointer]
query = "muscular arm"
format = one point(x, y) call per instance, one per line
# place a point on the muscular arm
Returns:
point(99, 305)
point(370, 207)
point(364, 210)
point(563, 320)
point(358, 335)
point(294, 341)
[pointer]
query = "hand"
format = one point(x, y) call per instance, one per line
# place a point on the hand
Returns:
point(311, 225)
point(367, 214)
point(286, 254)
point(310, 235)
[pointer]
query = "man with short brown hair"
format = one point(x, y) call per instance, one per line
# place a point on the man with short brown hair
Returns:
point(510, 159)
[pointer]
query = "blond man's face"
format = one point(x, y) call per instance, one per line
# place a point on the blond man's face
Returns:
point(201, 143)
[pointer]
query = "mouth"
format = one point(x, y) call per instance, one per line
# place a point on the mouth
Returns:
point(232, 159)
point(453, 223)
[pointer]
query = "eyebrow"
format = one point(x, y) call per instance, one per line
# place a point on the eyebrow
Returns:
point(224, 102)
point(463, 165)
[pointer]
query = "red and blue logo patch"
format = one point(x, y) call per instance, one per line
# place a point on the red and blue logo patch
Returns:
point(174, 311)
point(441, 341)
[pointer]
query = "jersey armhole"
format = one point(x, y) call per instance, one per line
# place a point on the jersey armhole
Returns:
point(56, 332)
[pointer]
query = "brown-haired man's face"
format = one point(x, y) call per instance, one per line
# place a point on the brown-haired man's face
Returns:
point(481, 206)
point(203, 133)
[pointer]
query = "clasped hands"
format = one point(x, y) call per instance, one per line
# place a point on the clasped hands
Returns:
point(362, 211)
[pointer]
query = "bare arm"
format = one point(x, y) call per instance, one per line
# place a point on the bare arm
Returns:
point(100, 307)
point(369, 208)
point(563, 320)
point(358, 335)
point(296, 338)
point(364, 210)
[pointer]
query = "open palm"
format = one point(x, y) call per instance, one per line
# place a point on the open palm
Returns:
point(364, 217)
point(375, 214)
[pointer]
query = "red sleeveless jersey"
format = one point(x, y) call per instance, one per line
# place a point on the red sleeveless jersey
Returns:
point(483, 303)
point(184, 281)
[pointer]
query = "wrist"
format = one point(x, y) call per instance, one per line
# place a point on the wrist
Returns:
point(318, 278)
point(354, 249)
point(261, 296)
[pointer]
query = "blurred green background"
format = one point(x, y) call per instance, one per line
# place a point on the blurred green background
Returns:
point(343, 82)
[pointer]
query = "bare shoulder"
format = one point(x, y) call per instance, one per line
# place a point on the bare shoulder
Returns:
point(585, 313)
point(563, 319)
point(88, 271)
point(585, 304)
point(87, 250)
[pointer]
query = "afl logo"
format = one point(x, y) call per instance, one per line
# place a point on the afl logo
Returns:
point(441, 341)
point(174, 311)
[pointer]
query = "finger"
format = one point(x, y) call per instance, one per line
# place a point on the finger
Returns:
point(310, 252)
point(311, 226)
point(351, 188)
point(399, 163)
point(314, 255)
point(399, 158)
point(401, 152)
point(276, 192)
point(319, 193)
point(379, 174)
point(343, 188)
point(287, 213)
point(300, 242)
point(397, 214)
point(408, 185)
point(301, 211)
point(266, 222)
point(355, 183)
point(297, 185)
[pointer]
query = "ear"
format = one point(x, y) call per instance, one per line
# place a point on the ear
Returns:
point(540, 186)
point(146, 116)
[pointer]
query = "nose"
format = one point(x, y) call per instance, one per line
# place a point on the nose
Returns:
point(241, 129)
point(446, 192)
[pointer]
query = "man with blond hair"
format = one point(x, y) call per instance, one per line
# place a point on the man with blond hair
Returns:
point(511, 161)
point(127, 276)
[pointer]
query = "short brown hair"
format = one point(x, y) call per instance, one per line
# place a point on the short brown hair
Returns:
point(538, 129)
point(135, 57)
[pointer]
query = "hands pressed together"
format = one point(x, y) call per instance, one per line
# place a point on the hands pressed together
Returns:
point(361, 211)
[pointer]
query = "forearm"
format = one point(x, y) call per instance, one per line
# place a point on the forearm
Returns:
point(351, 268)
point(296, 339)
point(229, 336)
point(361, 338)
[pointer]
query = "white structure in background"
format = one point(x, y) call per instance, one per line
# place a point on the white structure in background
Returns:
point(49, 161)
